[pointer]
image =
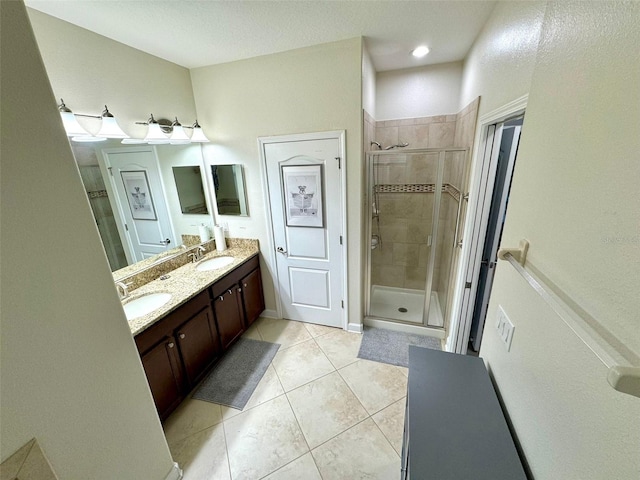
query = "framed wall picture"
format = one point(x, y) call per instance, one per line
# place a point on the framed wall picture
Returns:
point(303, 195)
point(136, 185)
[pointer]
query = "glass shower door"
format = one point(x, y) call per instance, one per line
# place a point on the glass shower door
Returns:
point(404, 192)
point(448, 224)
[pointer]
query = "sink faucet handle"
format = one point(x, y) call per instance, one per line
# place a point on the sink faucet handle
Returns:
point(124, 287)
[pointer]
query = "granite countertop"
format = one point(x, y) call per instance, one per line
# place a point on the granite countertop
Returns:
point(186, 282)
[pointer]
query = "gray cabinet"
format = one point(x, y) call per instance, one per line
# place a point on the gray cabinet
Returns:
point(454, 426)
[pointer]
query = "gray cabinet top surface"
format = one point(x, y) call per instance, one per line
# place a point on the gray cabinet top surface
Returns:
point(456, 427)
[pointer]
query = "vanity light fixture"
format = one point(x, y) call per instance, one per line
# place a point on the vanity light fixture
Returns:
point(155, 135)
point(420, 51)
point(71, 125)
point(163, 131)
point(198, 135)
point(110, 128)
point(178, 135)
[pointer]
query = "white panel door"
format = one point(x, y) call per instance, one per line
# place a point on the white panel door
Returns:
point(140, 197)
point(307, 236)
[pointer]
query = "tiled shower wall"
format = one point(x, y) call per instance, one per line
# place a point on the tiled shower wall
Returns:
point(405, 218)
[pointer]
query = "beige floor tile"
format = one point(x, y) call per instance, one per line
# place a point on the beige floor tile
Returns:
point(190, 417)
point(301, 364)
point(362, 452)
point(268, 388)
point(391, 422)
point(301, 468)
point(203, 455)
point(318, 330)
point(252, 333)
point(325, 407)
point(263, 439)
point(404, 370)
point(284, 332)
point(377, 385)
point(340, 347)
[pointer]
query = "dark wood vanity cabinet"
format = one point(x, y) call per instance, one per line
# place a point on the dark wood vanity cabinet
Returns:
point(164, 374)
point(238, 300)
point(226, 305)
point(199, 346)
point(178, 350)
point(252, 296)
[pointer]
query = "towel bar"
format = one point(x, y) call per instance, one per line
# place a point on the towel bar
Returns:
point(624, 372)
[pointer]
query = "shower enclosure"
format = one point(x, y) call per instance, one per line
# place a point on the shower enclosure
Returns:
point(416, 206)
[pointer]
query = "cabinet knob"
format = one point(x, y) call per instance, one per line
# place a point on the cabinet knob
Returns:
point(171, 345)
point(182, 335)
point(239, 289)
point(245, 285)
point(229, 292)
point(221, 298)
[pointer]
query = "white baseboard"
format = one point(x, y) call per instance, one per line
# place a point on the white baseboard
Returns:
point(269, 314)
point(354, 327)
point(403, 327)
point(175, 473)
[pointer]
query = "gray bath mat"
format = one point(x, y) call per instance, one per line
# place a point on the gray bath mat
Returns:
point(237, 375)
point(387, 346)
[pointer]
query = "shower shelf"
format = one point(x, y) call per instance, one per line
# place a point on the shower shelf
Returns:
point(417, 188)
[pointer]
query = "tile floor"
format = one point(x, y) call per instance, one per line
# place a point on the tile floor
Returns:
point(318, 413)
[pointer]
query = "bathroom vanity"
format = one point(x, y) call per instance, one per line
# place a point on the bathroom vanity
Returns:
point(209, 311)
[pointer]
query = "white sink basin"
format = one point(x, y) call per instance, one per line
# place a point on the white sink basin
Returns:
point(145, 304)
point(214, 263)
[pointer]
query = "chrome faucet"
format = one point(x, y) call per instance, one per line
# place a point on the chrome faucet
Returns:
point(123, 289)
point(198, 254)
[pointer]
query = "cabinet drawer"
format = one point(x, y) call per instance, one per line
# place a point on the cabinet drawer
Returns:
point(234, 277)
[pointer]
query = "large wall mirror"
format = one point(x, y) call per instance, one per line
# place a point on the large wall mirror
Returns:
point(228, 182)
point(176, 186)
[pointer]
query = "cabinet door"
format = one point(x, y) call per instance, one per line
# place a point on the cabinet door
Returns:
point(164, 374)
point(229, 317)
point(252, 296)
point(199, 346)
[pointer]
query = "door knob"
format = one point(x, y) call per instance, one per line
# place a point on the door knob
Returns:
point(165, 242)
point(281, 250)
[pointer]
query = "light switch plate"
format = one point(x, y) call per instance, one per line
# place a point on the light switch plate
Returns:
point(505, 327)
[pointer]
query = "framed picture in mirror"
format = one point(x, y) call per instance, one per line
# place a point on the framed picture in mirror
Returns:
point(136, 185)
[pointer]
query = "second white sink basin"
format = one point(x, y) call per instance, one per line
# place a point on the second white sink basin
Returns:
point(214, 263)
point(145, 304)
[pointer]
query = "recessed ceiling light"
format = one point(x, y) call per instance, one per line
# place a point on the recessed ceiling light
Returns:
point(420, 51)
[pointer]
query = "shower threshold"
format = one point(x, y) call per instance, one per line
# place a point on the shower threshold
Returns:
point(405, 305)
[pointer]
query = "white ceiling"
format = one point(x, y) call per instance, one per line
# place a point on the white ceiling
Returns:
point(196, 33)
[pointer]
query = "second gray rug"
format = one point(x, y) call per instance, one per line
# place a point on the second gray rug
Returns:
point(388, 346)
point(237, 374)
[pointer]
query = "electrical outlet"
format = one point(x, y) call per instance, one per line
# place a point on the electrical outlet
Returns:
point(505, 328)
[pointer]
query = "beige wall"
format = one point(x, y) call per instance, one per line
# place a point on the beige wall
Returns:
point(573, 197)
point(71, 375)
point(306, 90)
point(499, 65)
point(88, 71)
point(418, 92)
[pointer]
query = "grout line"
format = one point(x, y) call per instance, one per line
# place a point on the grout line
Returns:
point(226, 447)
